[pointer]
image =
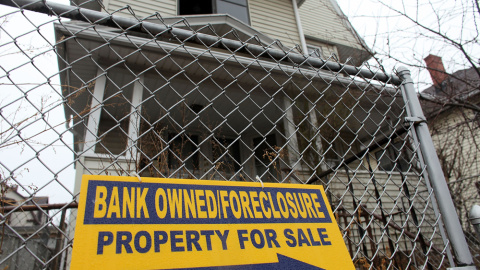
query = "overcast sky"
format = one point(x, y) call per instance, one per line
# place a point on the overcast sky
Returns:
point(44, 159)
point(386, 32)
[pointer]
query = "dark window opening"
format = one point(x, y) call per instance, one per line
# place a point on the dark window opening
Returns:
point(192, 7)
point(114, 117)
point(226, 155)
point(183, 151)
point(236, 8)
point(314, 51)
point(113, 135)
point(395, 156)
point(267, 161)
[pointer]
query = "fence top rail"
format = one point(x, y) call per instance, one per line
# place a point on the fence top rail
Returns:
point(23, 208)
point(155, 29)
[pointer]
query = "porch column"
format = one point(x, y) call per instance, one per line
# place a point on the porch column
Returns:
point(91, 135)
point(291, 135)
point(135, 116)
point(316, 133)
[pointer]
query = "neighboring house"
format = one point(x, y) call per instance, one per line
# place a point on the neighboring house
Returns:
point(452, 108)
point(20, 225)
point(22, 219)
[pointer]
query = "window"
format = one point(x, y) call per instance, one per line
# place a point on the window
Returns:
point(387, 160)
point(235, 8)
point(314, 51)
point(266, 158)
point(183, 151)
point(192, 7)
point(226, 155)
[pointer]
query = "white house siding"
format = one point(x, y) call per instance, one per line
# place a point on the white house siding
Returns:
point(449, 133)
point(19, 218)
point(457, 143)
point(143, 8)
point(321, 20)
point(276, 19)
point(395, 207)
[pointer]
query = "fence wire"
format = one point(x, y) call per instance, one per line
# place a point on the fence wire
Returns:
point(106, 96)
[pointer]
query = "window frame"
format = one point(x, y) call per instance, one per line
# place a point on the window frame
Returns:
point(235, 158)
point(260, 163)
point(214, 4)
point(315, 51)
point(392, 165)
point(192, 163)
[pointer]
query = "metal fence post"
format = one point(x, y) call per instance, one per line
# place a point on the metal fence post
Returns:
point(439, 184)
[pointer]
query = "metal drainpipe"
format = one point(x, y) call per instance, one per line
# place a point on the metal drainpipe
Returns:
point(299, 27)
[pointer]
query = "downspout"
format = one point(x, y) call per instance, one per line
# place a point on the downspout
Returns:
point(299, 27)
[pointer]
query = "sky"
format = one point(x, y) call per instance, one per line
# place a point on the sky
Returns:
point(44, 164)
point(389, 32)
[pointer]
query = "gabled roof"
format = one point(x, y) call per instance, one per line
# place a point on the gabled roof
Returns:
point(324, 21)
point(222, 25)
point(364, 52)
point(460, 87)
point(461, 84)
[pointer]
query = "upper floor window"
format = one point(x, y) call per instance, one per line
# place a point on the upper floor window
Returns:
point(235, 8)
point(314, 51)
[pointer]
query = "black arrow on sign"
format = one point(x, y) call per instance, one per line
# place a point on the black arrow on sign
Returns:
point(284, 263)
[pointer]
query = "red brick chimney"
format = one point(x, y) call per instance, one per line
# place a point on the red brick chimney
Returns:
point(436, 69)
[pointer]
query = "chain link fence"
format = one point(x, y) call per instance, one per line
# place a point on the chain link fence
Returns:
point(85, 92)
point(466, 193)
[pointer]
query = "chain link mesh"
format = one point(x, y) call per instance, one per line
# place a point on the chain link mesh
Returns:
point(95, 97)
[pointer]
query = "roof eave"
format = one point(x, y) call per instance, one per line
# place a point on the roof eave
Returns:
point(217, 19)
point(351, 28)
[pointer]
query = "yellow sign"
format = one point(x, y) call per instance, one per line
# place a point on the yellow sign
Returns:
point(188, 224)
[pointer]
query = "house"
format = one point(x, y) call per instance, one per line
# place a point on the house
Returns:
point(221, 91)
point(12, 197)
point(109, 129)
point(20, 225)
point(452, 108)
